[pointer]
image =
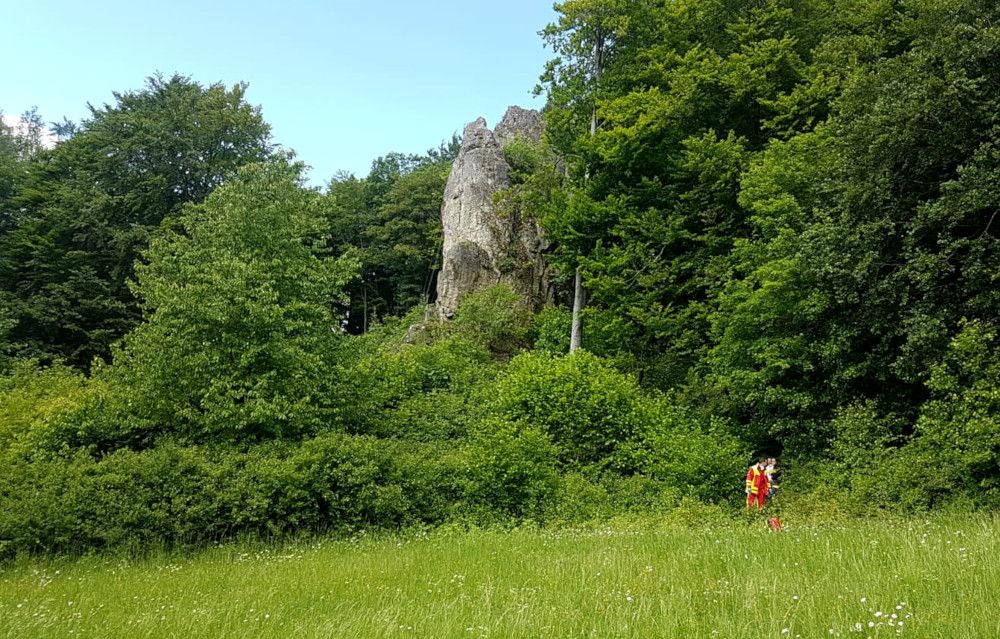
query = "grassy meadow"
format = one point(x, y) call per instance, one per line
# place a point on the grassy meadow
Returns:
point(909, 578)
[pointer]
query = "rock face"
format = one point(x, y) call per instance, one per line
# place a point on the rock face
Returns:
point(518, 122)
point(482, 246)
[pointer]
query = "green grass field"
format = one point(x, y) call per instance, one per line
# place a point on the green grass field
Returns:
point(935, 579)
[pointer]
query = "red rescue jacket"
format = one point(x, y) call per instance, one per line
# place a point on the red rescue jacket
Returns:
point(757, 481)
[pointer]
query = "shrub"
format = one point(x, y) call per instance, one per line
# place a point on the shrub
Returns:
point(95, 417)
point(863, 451)
point(953, 453)
point(30, 396)
point(391, 385)
point(576, 499)
point(496, 317)
point(551, 330)
point(437, 477)
point(434, 415)
point(174, 493)
point(587, 408)
point(955, 450)
point(77, 502)
point(698, 457)
point(513, 468)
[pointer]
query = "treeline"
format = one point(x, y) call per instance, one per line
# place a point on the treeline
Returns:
point(786, 214)
point(783, 213)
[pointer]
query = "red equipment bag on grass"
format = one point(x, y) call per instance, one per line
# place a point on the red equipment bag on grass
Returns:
point(774, 524)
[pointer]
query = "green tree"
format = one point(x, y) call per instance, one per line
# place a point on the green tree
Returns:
point(392, 221)
point(959, 428)
point(676, 97)
point(90, 204)
point(874, 235)
point(239, 333)
point(585, 37)
point(18, 146)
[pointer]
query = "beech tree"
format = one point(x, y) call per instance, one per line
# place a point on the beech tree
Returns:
point(19, 145)
point(588, 36)
point(239, 330)
point(87, 208)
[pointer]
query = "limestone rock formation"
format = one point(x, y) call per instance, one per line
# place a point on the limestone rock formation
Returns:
point(483, 246)
point(518, 122)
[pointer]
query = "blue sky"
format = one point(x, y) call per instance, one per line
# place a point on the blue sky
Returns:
point(341, 81)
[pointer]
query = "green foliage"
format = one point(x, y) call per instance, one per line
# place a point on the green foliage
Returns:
point(952, 456)
point(868, 441)
point(239, 329)
point(958, 431)
point(537, 181)
point(786, 207)
point(87, 209)
point(178, 494)
point(551, 330)
point(680, 100)
point(19, 146)
point(579, 499)
point(30, 397)
point(588, 409)
point(608, 335)
point(514, 466)
point(497, 318)
point(438, 414)
point(6, 323)
point(417, 391)
point(874, 238)
point(697, 458)
point(391, 220)
point(418, 378)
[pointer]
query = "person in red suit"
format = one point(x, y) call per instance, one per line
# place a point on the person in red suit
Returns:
point(758, 484)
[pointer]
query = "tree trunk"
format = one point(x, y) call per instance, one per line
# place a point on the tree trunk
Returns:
point(579, 295)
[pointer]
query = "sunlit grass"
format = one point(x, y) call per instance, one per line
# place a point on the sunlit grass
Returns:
point(862, 579)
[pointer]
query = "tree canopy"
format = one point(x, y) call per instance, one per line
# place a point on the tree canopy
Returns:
point(238, 304)
point(86, 209)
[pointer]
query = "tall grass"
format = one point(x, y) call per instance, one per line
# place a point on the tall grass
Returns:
point(860, 579)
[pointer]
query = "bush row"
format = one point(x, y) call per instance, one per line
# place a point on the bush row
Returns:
point(177, 494)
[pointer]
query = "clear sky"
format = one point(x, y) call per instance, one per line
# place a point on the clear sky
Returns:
point(340, 81)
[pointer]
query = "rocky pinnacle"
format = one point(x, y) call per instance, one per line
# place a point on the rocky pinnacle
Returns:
point(482, 246)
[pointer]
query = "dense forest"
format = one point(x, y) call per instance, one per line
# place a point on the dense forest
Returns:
point(782, 213)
